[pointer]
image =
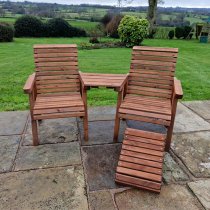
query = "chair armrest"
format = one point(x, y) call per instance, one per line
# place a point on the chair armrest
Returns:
point(80, 78)
point(124, 83)
point(29, 85)
point(178, 89)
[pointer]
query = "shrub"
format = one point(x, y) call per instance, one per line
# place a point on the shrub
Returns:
point(58, 27)
point(28, 26)
point(179, 32)
point(94, 40)
point(78, 32)
point(113, 25)
point(6, 32)
point(132, 30)
point(187, 30)
point(171, 34)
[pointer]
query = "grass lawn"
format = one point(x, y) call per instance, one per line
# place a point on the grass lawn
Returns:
point(16, 63)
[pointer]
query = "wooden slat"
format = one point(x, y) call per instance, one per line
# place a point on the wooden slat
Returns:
point(60, 115)
point(153, 58)
point(56, 59)
point(156, 49)
point(139, 167)
point(143, 145)
point(140, 174)
point(144, 140)
point(145, 159)
point(144, 119)
point(59, 110)
point(54, 55)
point(50, 64)
point(152, 85)
point(149, 185)
point(57, 68)
point(145, 114)
point(155, 53)
point(145, 134)
point(146, 108)
point(50, 46)
point(150, 62)
point(142, 150)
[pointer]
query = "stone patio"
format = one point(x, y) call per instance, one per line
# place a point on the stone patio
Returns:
point(64, 172)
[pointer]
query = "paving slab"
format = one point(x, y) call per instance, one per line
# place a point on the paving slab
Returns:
point(187, 121)
point(101, 113)
point(202, 108)
point(53, 131)
point(12, 123)
point(202, 191)
point(172, 172)
point(146, 126)
point(100, 163)
point(101, 200)
point(50, 155)
point(101, 132)
point(172, 197)
point(8, 149)
point(61, 188)
point(194, 150)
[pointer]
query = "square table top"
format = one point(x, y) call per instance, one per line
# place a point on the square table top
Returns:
point(95, 80)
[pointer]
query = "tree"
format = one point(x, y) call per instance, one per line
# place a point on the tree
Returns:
point(152, 15)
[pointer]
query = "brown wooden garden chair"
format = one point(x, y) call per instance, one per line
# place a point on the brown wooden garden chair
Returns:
point(151, 92)
point(55, 90)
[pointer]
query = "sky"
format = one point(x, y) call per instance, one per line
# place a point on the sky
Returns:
point(168, 3)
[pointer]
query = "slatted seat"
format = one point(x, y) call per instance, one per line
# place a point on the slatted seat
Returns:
point(141, 160)
point(53, 106)
point(151, 110)
point(55, 89)
point(151, 92)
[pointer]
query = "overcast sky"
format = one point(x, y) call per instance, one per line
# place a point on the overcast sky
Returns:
point(168, 3)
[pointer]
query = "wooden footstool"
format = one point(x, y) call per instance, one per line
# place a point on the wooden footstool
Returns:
point(141, 160)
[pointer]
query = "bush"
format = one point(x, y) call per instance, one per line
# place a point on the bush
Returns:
point(28, 26)
point(94, 40)
point(6, 32)
point(187, 30)
point(179, 32)
point(132, 30)
point(113, 25)
point(171, 34)
point(58, 27)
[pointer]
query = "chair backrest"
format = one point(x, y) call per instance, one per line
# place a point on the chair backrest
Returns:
point(56, 68)
point(152, 71)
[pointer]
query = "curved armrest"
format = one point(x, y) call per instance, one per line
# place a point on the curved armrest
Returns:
point(124, 83)
point(29, 85)
point(178, 89)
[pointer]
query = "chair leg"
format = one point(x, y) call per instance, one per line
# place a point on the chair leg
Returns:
point(116, 128)
point(85, 123)
point(34, 132)
point(168, 139)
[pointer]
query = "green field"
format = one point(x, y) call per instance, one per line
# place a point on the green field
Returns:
point(16, 63)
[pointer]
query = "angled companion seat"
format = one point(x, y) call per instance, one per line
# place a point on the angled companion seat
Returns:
point(152, 90)
point(55, 90)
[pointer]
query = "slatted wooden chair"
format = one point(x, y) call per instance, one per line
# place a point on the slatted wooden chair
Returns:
point(55, 90)
point(152, 91)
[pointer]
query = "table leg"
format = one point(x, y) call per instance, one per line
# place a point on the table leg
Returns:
point(117, 118)
point(84, 96)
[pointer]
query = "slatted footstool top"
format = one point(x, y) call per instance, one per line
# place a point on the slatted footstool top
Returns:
point(141, 160)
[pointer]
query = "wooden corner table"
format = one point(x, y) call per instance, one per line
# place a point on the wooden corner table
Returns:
point(118, 82)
